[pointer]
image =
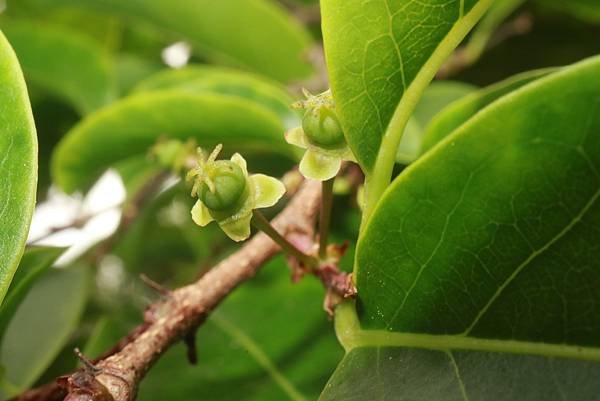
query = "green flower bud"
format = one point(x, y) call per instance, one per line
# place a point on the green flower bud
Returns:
point(322, 127)
point(322, 136)
point(227, 194)
point(228, 185)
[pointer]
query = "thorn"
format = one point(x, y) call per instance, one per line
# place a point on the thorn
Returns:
point(329, 303)
point(88, 365)
point(155, 286)
point(190, 341)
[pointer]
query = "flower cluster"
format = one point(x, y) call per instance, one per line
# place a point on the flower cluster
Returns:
point(227, 194)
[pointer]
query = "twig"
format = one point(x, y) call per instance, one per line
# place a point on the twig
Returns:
point(187, 307)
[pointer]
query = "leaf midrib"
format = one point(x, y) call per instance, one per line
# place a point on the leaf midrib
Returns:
point(238, 335)
point(378, 179)
point(352, 336)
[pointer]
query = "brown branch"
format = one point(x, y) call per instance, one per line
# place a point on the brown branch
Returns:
point(173, 318)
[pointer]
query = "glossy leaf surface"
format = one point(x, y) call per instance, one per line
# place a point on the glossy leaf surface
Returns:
point(18, 164)
point(486, 249)
point(460, 111)
point(131, 126)
point(381, 55)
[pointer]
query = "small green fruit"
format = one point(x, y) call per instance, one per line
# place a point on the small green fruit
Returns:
point(229, 183)
point(322, 127)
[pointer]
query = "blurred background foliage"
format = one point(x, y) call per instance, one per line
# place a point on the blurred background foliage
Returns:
point(108, 78)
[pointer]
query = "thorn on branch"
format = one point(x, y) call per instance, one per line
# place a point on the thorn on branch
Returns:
point(190, 341)
point(88, 364)
point(82, 385)
point(163, 291)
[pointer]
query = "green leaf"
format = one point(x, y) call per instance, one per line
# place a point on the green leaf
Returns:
point(226, 82)
point(34, 262)
point(131, 126)
point(587, 10)
point(63, 62)
point(483, 33)
point(486, 250)
point(266, 40)
point(18, 163)
point(437, 96)
point(381, 55)
point(462, 110)
point(43, 324)
point(132, 69)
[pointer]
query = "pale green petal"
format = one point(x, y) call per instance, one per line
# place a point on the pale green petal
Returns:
point(200, 214)
point(238, 229)
point(267, 190)
point(318, 166)
point(348, 155)
point(240, 161)
point(296, 137)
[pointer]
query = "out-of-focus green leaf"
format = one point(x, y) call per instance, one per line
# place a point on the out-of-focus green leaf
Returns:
point(256, 34)
point(485, 253)
point(18, 164)
point(33, 263)
point(42, 325)
point(63, 62)
point(437, 96)
point(483, 32)
point(462, 110)
point(587, 10)
point(227, 82)
point(130, 70)
point(131, 126)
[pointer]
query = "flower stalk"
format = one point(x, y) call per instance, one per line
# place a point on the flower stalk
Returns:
point(325, 216)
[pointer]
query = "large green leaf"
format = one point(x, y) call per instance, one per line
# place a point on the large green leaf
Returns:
point(462, 110)
point(18, 164)
point(227, 82)
point(131, 126)
point(42, 325)
point(486, 250)
point(256, 34)
point(64, 62)
point(381, 55)
point(33, 264)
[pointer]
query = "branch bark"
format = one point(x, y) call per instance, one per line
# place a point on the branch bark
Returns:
point(188, 306)
point(173, 318)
